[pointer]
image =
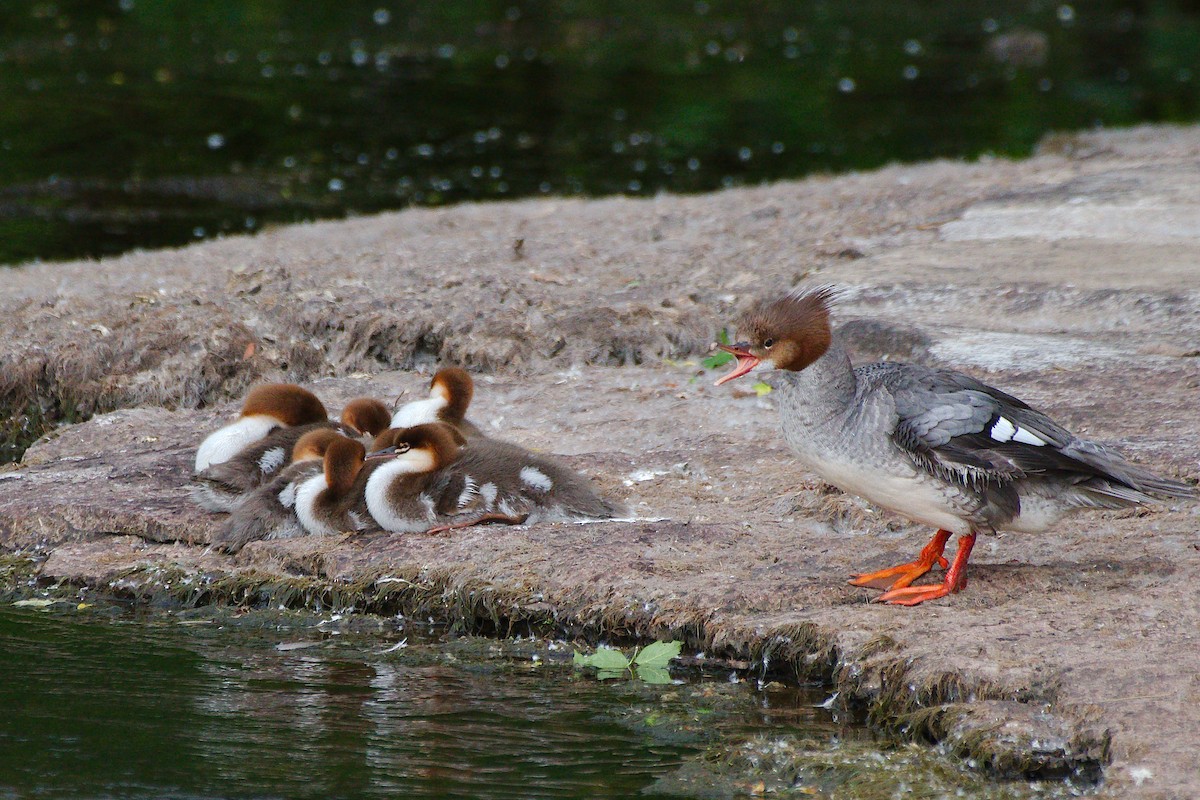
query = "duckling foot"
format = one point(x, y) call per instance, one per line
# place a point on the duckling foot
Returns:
point(930, 554)
point(956, 580)
point(504, 519)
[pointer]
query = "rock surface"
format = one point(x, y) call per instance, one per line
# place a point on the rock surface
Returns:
point(1070, 279)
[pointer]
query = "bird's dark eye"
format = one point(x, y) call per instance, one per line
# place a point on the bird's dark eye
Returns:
point(768, 343)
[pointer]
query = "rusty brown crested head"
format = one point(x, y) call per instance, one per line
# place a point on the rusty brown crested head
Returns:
point(789, 333)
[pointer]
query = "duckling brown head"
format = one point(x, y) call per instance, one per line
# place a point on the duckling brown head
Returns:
point(290, 404)
point(450, 394)
point(312, 445)
point(367, 415)
point(424, 448)
point(344, 459)
point(453, 384)
point(403, 436)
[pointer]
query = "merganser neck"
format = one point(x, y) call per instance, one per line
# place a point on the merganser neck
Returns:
point(825, 389)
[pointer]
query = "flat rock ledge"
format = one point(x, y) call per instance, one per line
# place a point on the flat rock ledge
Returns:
point(1069, 279)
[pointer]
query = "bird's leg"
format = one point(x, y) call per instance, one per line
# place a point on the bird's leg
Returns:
point(956, 580)
point(930, 554)
point(495, 516)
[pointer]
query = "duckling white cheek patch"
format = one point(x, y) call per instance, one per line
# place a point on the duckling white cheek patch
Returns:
point(1006, 431)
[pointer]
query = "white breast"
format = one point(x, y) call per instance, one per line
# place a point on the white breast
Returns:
point(904, 493)
point(306, 496)
point(418, 412)
point(379, 484)
point(225, 443)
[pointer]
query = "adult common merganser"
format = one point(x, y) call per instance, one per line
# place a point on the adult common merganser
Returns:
point(450, 394)
point(268, 406)
point(269, 512)
point(332, 501)
point(485, 481)
point(933, 445)
point(223, 485)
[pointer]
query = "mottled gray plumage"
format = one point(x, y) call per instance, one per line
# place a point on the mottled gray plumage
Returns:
point(934, 428)
point(568, 496)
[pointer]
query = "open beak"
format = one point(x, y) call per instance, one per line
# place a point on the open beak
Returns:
point(746, 361)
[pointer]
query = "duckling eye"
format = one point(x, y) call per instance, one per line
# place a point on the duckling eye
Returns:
point(403, 447)
point(768, 343)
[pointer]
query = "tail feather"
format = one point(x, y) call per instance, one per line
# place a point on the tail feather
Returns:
point(1119, 478)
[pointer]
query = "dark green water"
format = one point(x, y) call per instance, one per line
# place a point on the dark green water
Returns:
point(100, 703)
point(132, 123)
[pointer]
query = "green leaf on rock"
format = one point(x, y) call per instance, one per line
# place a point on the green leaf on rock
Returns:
point(761, 388)
point(654, 675)
point(605, 658)
point(658, 654)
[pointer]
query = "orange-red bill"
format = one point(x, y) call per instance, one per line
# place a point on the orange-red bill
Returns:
point(746, 361)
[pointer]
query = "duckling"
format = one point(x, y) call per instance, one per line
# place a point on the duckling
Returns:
point(400, 495)
point(267, 407)
point(485, 481)
point(450, 394)
point(222, 486)
point(332, 501)
point(269, 511)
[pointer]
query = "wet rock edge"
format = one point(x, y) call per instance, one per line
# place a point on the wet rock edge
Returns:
point(1004, 732)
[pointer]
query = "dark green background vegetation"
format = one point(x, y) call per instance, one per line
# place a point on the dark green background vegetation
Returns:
point(138, 123)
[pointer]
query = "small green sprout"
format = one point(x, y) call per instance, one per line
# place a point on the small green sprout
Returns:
point(719, 358)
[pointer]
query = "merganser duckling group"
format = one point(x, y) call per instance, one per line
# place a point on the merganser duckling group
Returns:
point(933, 445)
point(285, 469)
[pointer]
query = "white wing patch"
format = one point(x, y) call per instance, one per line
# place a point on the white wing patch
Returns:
point(430, 507)
point(469, 492)
point(1006, 431)
point(488, 492)
point(287, 498)
point(534, 478)
point(1025, 436)
point(272, 460)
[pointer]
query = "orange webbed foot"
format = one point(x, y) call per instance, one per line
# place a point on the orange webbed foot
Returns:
point(912, 595)
point(905, 574)
point(955, 581)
